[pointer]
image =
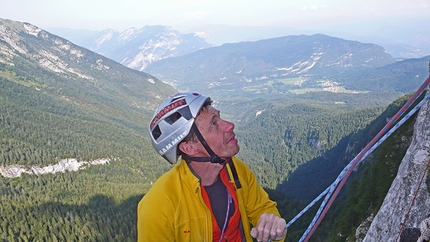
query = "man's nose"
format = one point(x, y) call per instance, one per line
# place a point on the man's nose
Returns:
point(229, 126)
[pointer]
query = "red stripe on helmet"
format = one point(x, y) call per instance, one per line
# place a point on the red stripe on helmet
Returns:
point(166, 110)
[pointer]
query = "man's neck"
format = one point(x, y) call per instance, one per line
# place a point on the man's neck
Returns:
point(208, 172)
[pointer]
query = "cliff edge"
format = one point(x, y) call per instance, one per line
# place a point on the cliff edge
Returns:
point(405, 191)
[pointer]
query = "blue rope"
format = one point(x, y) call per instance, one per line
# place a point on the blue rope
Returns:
point(342, 174)
point(329, 190)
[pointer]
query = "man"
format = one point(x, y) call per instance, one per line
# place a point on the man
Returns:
point(210, 195)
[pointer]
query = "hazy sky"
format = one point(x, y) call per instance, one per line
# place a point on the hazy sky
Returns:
point(186, 14)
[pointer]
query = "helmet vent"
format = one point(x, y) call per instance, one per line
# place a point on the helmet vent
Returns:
point(156, 133)
point(173, 118)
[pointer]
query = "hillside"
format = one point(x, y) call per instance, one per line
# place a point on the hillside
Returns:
point(387, 78)
point(27, 48)
point(74, 96)
point(282, 139)
point(61, 101)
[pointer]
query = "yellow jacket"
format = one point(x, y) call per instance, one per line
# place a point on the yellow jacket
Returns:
point(174, 209)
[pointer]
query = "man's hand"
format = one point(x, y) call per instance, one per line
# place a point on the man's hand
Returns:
point(270, 227)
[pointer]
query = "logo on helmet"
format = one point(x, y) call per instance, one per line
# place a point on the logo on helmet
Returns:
point(174, 142)
point(166, 110)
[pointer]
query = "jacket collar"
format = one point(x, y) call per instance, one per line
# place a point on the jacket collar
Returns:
point(189, 178)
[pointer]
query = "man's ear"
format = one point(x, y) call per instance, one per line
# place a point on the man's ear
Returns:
point(188, 148)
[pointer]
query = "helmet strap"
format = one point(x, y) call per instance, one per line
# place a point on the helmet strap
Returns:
point(213, 158)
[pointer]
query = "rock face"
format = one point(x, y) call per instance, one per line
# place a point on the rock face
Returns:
point(405, 203)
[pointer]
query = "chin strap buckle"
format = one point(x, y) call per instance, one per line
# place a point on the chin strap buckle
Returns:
point(216, 159)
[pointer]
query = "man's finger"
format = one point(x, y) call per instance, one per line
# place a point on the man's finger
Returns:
point(254, 233)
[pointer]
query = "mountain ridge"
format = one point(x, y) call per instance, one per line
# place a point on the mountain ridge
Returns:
point(403, 39)
point(290, 62)
point(73, 64)
point(137, 48)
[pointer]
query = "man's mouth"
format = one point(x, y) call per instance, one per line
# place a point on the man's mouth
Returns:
point(232, 139)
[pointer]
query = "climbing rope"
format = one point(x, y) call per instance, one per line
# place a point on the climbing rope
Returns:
point(333, 194)
point(392, 130)
point(350, 168)
point(333, 190)
point(413, 200)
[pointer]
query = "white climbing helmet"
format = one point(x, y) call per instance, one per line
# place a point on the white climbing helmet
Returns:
point(172, 122)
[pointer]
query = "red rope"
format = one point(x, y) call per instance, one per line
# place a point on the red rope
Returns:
point(413, 200)
point(327, 206)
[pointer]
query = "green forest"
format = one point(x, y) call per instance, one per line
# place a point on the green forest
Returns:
point(95, 204)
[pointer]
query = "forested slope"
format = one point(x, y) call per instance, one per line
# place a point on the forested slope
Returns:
point(57, 101)
point(282, 139)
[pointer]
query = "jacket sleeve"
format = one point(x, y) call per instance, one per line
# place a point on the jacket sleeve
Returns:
point(153, 223)
point(255, 198)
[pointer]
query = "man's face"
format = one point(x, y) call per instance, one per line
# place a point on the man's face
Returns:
point(217, 132)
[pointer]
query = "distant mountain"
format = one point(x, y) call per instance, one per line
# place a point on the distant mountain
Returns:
point(136, 48)
point(402, 38)
point(269, 66)
point(401, 76)
point(280, 66)
point(56, 87)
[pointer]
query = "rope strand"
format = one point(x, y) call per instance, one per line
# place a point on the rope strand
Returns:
point(348, 170)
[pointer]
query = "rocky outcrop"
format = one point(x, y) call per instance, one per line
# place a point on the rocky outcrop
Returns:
point(406, 202)
point(62, 166)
